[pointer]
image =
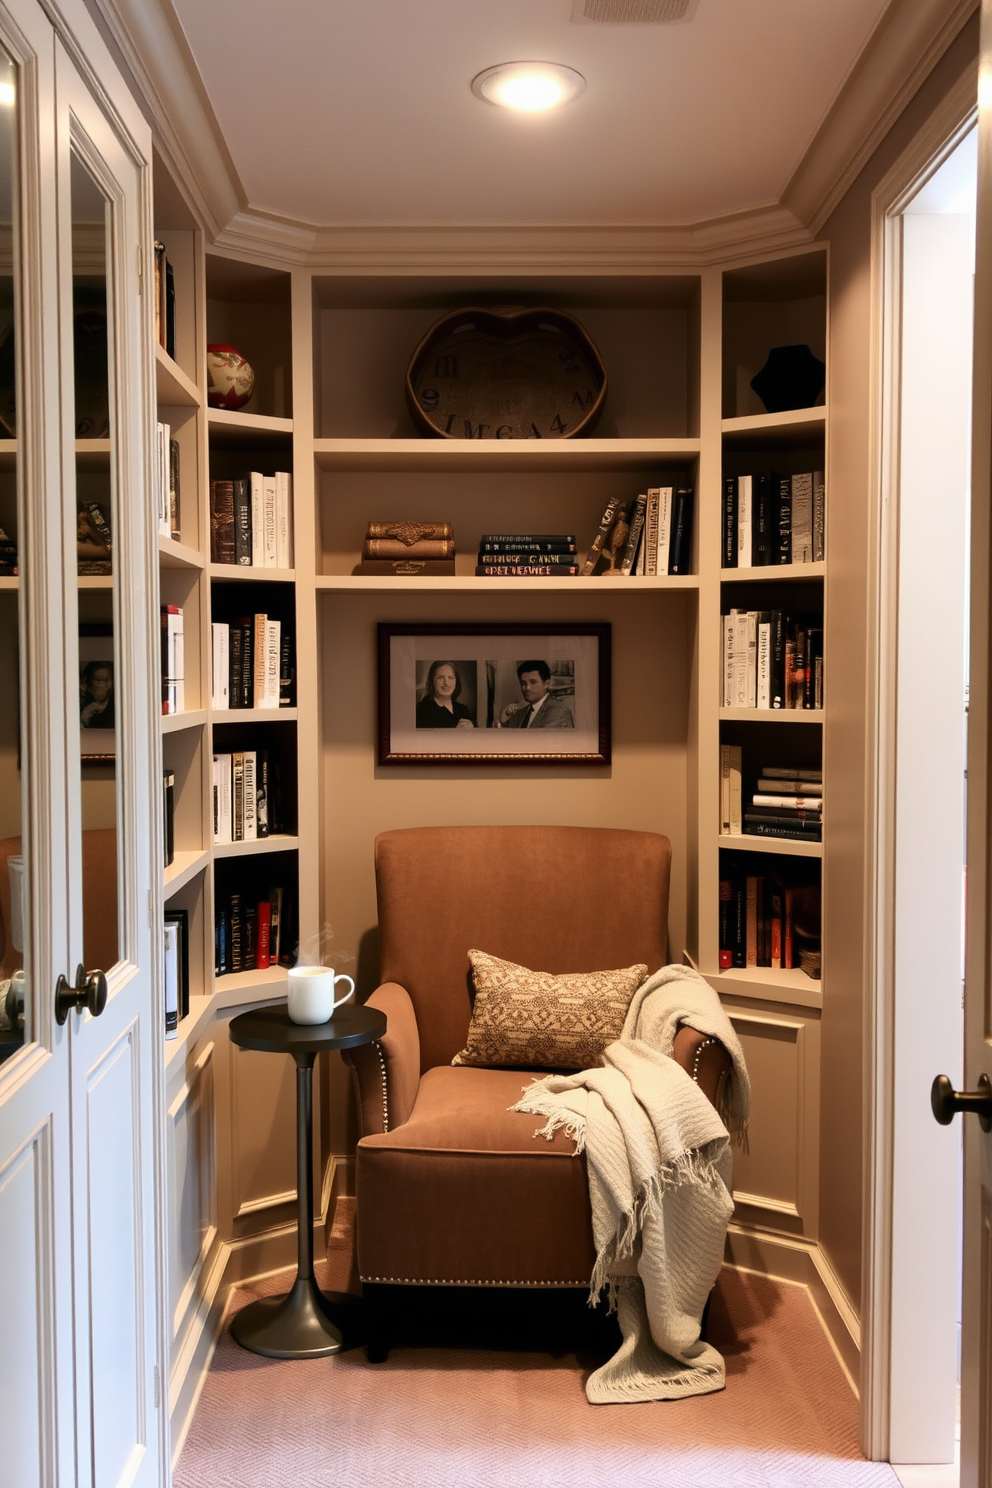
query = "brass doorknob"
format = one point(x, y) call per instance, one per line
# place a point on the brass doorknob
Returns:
point(946, 1102)
point(89, 991)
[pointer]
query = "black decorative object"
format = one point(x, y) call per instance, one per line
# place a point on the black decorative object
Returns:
point(505, 374)
point(792, 377)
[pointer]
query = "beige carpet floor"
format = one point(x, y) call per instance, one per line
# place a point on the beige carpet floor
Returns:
point(474, 1418)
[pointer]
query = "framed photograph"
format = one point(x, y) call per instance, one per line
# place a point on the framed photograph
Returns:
point(97, 702)
point(494, 694)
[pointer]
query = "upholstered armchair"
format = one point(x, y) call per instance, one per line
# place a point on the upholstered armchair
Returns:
point(453, 1188)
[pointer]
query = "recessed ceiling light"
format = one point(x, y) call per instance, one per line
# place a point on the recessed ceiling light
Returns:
point(532, 87)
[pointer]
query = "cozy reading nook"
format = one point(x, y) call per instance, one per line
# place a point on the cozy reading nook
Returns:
point(303, 383)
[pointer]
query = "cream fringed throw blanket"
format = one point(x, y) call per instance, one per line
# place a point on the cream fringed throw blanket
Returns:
point(658, 1158)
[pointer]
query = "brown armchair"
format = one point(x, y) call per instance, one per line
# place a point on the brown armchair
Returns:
point(453, 1189)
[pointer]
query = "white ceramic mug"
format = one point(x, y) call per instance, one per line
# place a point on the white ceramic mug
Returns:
point(311, 997)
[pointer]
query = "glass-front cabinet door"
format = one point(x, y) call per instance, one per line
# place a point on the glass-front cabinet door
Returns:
point(80, 1312)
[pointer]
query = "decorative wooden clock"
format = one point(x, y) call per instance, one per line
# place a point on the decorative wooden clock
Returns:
point(506, 374)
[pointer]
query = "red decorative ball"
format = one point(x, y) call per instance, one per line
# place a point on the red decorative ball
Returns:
point(230, 380)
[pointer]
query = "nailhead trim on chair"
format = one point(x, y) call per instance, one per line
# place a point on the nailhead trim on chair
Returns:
point(698, 1055)
point(460, 1281)
point(385, 1087)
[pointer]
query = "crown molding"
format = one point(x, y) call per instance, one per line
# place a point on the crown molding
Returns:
point(511, 249)
point(907, 43)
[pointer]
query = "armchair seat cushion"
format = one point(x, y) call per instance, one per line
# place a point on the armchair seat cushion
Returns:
point(462, 1193)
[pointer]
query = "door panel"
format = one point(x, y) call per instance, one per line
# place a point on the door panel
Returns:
point(30, 1446)
point(109, 689)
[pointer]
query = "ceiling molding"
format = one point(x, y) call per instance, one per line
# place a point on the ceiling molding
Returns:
point(907, 43)
point(153, 44)
point(489, 248)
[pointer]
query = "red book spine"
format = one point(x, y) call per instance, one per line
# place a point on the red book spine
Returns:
point(263, 957)
point(787, 932)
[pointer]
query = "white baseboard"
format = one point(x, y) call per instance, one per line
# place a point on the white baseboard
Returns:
point(801, 1263)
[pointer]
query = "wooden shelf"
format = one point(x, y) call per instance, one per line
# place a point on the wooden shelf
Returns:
point(253, 715)
point(761, 428)
point(469, 583)
point(762, 984)
point(436, 455)
point(788, 846)
point(172, 554)
point(8, 455)
point(95, 581)
point(172, 385)
point(240, 574)
point(245, 428)
point(283, 843)
point(184, 866)
point(9, 583)
point(772, 715)
point(270, 980)
point(93, 454)
point(174, 723)
point(774, 571)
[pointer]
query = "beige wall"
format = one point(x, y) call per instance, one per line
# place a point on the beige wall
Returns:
point(644, 788)
point(846, 744)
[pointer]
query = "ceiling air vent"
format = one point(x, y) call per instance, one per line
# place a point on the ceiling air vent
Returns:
point(632, 12)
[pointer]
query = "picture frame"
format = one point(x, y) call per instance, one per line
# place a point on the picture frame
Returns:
point(464, 694)
point(97, 698)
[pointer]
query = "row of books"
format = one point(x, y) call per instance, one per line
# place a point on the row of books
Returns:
point(165, 302)
point(768, 920)
point(408, 548)
point(247, 796)
point(252, 933)
point(251, 522)
point(549, 555)
point(252, 663)
point(785, 802)
point(770, 519)
point(167, 482)
point(173, 661)
point(652, 535)
point(772, 660)
point(176, 979)
point(94, 540)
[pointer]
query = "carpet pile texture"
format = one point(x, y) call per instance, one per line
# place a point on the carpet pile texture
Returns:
point(476, 1418)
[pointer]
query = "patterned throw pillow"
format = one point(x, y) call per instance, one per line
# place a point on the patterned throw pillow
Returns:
point(533, 1020)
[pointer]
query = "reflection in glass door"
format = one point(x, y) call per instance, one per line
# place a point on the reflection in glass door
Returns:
point(16, 1012)
point(99, 672)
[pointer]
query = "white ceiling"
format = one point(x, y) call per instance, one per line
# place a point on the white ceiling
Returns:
point(360, 111)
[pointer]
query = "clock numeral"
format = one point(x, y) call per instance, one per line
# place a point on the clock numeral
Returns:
point(583, 399)
point(429, 399)
point(446, 366)
point(557, 427)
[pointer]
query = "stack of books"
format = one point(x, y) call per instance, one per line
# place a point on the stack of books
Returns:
point(785, 802)
point(408, 548)
point(648, 537)
point(253, 664)
point(772, 660)
point(94, 542)
point(251, 522)
point(246, 797)
point(547, 555)
point(770, 519)
point(167, 483)
point(176, 981)
point(252, 933)
point(768, 919)
point(173, 666)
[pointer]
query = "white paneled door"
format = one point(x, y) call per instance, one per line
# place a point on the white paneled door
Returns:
point(80, 1045)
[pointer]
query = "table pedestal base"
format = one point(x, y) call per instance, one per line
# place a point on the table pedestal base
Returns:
point(305, 1324)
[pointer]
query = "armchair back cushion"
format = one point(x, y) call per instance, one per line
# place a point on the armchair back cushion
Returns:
point(555, 899)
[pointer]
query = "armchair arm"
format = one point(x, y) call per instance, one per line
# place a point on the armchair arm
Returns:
point(386, 1074)
point(704, 1059)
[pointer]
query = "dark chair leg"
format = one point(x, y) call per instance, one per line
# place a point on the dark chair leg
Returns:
point(376, 1325)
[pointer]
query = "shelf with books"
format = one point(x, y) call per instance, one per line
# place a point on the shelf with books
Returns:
point(190, 718)
point(183, 868)
point(436, 456)
point(256, 913)
point(172, 385)
point(172, 554)
point(469, 584)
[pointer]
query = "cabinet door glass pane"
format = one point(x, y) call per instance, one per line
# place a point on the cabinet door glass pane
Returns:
point(15, 966)
point(96, 508)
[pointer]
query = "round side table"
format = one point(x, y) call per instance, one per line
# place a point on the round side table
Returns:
point(306, 1323)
